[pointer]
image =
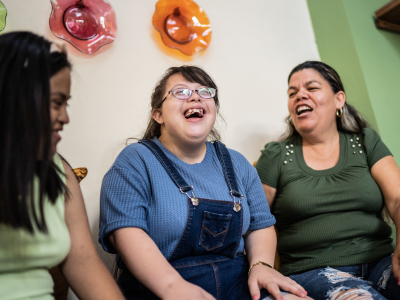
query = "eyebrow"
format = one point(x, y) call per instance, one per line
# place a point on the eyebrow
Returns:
point(307, 83)
point(62, 95)
point(182, 85)
point(179, 85)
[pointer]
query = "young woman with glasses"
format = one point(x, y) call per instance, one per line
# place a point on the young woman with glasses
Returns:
point(179, 211)
point(43, 221)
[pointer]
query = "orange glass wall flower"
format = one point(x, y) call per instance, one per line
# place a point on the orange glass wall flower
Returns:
point(86, 24)
point(183, 25)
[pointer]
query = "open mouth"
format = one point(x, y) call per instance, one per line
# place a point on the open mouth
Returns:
point(194, 113)
point(56, 134)
point(303, 109)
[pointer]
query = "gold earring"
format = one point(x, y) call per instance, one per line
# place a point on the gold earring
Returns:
point(339, 112)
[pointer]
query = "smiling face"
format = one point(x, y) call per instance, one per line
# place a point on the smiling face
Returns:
point(312, 104)
point(60, 84)
point(185, 121)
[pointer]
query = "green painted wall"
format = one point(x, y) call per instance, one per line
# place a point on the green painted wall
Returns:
point(379, 55)
point(367, 59)
point(337, 48)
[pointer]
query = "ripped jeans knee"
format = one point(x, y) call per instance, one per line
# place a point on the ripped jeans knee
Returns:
point(383, 281)
point(346, 293)
point(348, 286)
point(373, 280)
point(335, 276)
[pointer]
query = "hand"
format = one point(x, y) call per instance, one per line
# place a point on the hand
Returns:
point(270, 279)
point(396, 264)
point(184, 290)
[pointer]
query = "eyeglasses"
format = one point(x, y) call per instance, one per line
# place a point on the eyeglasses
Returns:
point(184, 94)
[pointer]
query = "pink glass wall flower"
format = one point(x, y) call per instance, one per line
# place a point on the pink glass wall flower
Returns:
point(86, 24)
point(183, 25)
point(3, 16)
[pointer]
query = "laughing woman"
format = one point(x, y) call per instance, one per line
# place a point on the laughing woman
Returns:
point(180, 211)
point(327, 182)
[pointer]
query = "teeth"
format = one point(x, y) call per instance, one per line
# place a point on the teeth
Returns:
point(193, 111)
point(303, 108)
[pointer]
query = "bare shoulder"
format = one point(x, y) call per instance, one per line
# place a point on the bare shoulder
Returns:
point(73, 193)
point(70, 174)
point(75, 211)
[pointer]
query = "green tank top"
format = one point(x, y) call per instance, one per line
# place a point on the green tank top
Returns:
point(330, 217)
point(25, 258)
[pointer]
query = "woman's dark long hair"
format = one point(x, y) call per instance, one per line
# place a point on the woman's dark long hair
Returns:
point(351, 120)
point(26, 66)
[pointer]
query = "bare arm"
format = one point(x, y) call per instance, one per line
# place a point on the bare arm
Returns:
point(387, 175)
point(270, 193)
point(82, 268)
point(260, 246)
point(145, 261)
point(267, 247)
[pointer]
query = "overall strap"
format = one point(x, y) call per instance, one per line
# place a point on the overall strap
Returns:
point(168, 165)
point(227, 166)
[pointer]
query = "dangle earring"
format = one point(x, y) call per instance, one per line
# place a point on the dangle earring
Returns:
point(339, 112)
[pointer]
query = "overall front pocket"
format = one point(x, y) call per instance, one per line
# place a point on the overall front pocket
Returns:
point(213, 230)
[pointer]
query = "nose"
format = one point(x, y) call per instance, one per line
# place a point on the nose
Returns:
point(63, 116)
point(302, 94)
point(194, 96)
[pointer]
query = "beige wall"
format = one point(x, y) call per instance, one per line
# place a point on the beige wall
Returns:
point(254, 45)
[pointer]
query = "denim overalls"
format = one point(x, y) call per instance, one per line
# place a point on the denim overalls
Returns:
point(206, 254)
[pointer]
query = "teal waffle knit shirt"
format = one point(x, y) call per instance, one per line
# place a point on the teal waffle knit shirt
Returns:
point(330, 217)
point(138, 192)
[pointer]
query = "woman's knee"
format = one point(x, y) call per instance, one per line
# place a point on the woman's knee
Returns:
point(350, 294)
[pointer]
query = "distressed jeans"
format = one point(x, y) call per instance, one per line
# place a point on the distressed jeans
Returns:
point(372, 280)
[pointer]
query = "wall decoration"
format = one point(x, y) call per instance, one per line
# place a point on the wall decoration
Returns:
point(86, 24)
point(183, 25)
point(388, 16)
point(3, 16)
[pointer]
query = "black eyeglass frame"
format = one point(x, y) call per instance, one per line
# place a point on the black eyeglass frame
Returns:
point(191, 92)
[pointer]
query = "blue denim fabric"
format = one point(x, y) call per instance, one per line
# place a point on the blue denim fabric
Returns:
point(213, 227)
point(206, 255)
point(225, 279)
point(376, 278)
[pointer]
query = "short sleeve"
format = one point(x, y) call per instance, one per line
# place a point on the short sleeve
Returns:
point(374, 147)
point(124, 198)
point(268, 165)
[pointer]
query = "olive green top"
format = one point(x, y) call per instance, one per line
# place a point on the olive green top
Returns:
point(331, 217)
point(26, 258)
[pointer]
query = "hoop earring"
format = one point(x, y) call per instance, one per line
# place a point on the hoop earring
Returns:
point(339, 112)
